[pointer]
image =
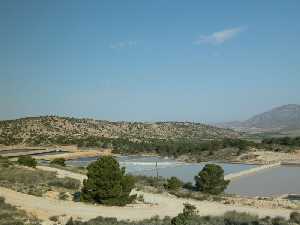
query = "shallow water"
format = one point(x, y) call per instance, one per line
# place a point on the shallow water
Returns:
point(270, 182)
point(138, 165)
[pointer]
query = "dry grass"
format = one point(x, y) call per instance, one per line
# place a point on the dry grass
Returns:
point(10, 215)
point(35, 182)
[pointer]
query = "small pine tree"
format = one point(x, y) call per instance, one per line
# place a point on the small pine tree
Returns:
point(107, 183)
point(211, 180)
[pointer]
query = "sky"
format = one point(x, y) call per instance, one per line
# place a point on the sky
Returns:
point(140, 60)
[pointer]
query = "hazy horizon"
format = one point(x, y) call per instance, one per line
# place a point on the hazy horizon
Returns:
point(143, 121)
point(207, 61)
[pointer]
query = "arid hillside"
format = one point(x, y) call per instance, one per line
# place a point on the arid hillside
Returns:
point(27, 129)
point(284, 118)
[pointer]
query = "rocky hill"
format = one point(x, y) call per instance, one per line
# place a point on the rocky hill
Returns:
point(282, 118)
point(21, 130)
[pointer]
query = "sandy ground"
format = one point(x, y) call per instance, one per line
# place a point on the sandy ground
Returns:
point(12, 147)
point(72, 151)
point(254, 170)
point(77, 154)
point(63, 173)
point(268, 157)
point(157, 204)
point(162, 205)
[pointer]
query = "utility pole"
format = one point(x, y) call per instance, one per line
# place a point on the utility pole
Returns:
point(156, 170)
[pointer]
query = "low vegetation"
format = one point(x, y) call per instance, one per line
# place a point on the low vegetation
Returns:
point(295, 217)
point(174, 183)
point(189, 211)
point(10, 215)
point(285, 141)
point(27, 161)
point(59, 162)
point(35, 182)
point(156, 184)
point(5, 162)
point(210, 184)
point(107, 183)
point(190, 216)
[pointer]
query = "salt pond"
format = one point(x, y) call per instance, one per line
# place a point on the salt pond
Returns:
point(138, 165)
point(270, 182)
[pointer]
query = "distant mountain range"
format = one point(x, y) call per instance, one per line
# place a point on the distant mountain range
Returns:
point(283, 118)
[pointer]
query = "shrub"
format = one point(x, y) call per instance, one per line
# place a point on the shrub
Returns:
point(188, 217)
point(188, 186)
point(157, 182)
point(10, 215)
point(189, 211)
point(34, 182)
point(107, 183)
point(5, 162)
point(54, 218)
point(240, 218)
point(70, 222)
point(63, 196)
point(27, 161)
point(279, 221)
point(113, 221)
point(295, 217)
point(174, 183)
point(211, 180)
point(58, 161)
point(67, 182)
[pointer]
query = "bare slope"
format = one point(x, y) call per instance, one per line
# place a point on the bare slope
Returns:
point(283, 118)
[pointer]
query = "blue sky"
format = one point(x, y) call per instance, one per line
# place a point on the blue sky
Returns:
point(205, 61)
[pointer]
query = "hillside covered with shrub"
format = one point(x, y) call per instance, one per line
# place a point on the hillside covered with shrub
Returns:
point(49, 129)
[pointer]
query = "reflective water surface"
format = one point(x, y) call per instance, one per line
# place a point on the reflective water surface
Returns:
point(271, 182)
point(138, 165)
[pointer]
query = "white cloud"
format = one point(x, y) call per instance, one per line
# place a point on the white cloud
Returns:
point(123, 44)
point(220, 37)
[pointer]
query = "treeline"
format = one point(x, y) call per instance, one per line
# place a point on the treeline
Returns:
point(179, 147)
point(127, 146)
point(286, 141)
point(162, 147)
